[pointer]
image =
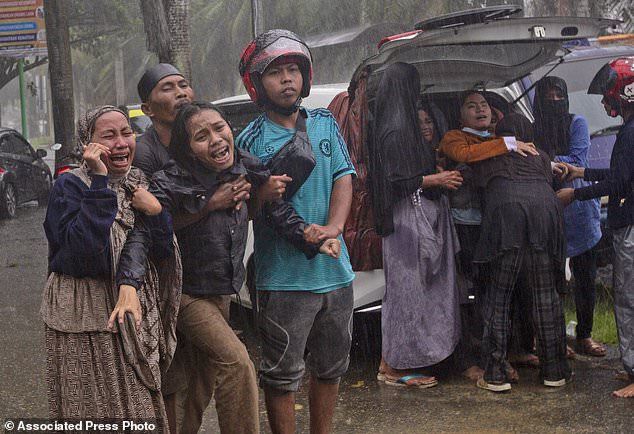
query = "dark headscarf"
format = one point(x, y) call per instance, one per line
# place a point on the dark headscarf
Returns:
point(86, 125)
point(397, 157)
point(515, 125)
point(439, 120)
point(552, 118)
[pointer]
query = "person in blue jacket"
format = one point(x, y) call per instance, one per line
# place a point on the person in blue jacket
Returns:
point(566, 138)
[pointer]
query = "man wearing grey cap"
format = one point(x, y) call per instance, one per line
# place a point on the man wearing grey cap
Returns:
point(163, 90)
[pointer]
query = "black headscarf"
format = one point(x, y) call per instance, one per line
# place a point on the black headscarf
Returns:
point(552, 118)
point(397, 157)
point(439, 120)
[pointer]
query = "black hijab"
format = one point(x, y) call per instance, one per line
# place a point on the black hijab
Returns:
point(439, 120)
point(397, 157)
point(552, 118)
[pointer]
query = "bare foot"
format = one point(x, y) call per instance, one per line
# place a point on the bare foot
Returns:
point(473, 373)
point(626, 392)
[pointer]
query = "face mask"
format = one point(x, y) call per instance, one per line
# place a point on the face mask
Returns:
point(556, 107)
point(476, 132)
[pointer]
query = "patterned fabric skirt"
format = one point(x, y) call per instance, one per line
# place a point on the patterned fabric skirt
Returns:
point(87, 377)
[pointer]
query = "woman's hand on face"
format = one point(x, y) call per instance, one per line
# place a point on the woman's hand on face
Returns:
point(331, 247)
point(92, 156)
point(274, 188)
point(230, 195)
point(526, 148)
point(566, 196)
point(128, 302)
point(144, 201)
point(449, 179)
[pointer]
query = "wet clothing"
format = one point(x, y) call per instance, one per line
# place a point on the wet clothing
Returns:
point(459, 147)
point(420, 318)
point(227, 365)
point(547, 312)
point(583, 227)
point(89, 219)
point(319, 289)
point(279, 265)
point(520, 208)
point(615, 181)
point(302, 322)
point(213, 247)
point(150, 155)
point(398, 159)
point(362, 241)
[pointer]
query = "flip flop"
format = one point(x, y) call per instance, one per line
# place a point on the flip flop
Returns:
point(402, 382)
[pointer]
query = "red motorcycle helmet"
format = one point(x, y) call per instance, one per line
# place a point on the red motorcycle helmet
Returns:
point(615, 81)
point(266, 48)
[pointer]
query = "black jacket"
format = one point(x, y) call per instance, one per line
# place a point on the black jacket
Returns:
point(615, 181)
point(213, 248)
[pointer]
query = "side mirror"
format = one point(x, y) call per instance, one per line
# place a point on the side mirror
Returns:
point(41, 153)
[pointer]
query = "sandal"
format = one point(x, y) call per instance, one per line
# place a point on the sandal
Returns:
point(525, 360)
point(590, 347)
point(403, 381)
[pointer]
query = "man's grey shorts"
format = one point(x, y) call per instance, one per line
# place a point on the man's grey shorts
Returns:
point(294, 323)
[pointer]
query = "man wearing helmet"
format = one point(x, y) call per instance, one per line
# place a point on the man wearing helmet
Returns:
point(305, 306)
point(615, 81)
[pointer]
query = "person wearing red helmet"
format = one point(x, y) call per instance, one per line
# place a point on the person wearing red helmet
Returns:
point(615, 81)
point(305, 306)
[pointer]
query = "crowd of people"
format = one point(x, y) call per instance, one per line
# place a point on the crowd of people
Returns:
point(474, 224)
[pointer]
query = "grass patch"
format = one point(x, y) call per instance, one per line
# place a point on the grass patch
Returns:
point(604, 325)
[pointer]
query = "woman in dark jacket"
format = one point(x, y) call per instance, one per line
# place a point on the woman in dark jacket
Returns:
point(419, 317)
point(99, 230)
point(212, 249)
point(522, 234)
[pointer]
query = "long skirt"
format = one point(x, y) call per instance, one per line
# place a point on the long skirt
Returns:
point(87, 377)
point(420, 317)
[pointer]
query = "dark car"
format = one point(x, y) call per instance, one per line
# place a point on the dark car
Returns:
point(24, 176)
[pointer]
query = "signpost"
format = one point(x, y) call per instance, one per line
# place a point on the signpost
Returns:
point(22, 34)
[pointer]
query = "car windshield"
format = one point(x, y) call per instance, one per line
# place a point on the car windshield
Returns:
point(578, 76)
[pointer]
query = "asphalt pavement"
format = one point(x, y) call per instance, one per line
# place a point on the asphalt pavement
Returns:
point(364, 406)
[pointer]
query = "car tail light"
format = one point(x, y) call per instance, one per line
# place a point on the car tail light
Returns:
point(406, 35)
point(2, 170)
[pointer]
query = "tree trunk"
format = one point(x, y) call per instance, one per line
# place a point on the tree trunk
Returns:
point(178, 23)
point(156, 30)
point(60, 74)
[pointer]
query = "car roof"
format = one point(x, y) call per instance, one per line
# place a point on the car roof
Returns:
point(320, 96)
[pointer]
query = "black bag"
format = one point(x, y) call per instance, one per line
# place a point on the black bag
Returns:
point(295, 158)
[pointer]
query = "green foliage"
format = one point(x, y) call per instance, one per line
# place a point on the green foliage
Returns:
point(95, 23)
point(604, 324)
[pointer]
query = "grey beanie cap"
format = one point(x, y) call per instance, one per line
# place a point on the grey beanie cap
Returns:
point(152, 76)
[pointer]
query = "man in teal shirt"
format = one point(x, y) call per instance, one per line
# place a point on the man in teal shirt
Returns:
point(305, 305)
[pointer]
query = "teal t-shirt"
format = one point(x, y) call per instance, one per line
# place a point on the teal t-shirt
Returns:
point(280, 266)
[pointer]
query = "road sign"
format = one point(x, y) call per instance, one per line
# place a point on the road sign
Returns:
point(22, 29)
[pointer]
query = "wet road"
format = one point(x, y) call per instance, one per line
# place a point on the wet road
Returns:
point(585, 406)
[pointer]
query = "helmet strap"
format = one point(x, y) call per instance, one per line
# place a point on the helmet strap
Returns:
point(284, 111)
